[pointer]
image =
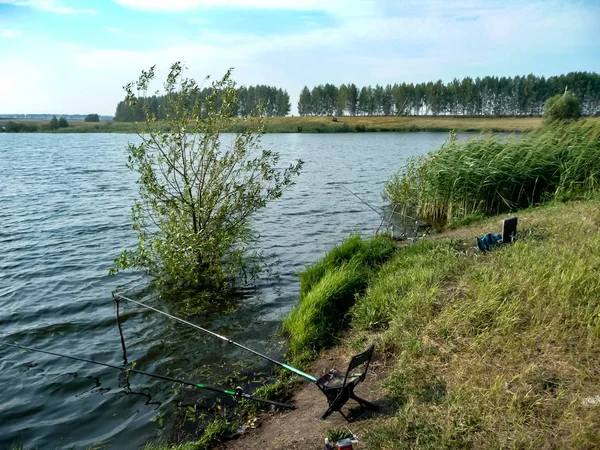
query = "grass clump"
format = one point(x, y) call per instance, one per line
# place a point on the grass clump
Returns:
point(311, 326)
point(365, 252)
point(491, 175)
point(327, 291)
point(337, 434)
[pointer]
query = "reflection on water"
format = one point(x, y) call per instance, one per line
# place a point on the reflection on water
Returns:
point(64, 215)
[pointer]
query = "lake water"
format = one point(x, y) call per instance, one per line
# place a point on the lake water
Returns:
point(65, 214)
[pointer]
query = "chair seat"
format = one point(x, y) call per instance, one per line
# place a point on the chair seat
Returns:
point(335, 379)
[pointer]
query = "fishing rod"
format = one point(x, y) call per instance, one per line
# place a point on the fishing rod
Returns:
point(226, 339)
point(238, 392)
point(363, 201)
point(375, 210)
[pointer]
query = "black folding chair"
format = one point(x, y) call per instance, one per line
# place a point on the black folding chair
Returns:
point(338, 387)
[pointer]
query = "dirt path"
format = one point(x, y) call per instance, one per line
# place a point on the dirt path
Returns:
point(303, 427)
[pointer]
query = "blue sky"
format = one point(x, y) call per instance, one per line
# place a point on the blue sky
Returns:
point(74, 56)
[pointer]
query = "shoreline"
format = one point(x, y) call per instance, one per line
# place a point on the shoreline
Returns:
point(324, 124)
point(411, 380)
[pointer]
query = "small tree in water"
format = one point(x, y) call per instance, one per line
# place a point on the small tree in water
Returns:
point(197, 193)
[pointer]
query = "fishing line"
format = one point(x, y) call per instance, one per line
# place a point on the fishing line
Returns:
point(363, 201)
point(393, 213)
point(226, 339)
point(238, 392)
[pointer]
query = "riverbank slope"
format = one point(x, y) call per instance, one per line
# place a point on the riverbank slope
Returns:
point(474, 350)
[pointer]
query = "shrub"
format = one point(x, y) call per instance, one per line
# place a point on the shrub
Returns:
point(197, 196)
point(53, 125)
point(17, 127)
point(562, 107)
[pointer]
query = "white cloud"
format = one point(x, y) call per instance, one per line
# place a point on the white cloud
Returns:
point(186, 5)
point(48, 6)
point(367, 44)
point(10, 33)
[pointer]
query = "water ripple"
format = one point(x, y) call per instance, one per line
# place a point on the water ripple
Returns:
point(65, 214)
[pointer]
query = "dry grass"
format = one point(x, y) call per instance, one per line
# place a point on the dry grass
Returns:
point(310, 123)
point(318, 124)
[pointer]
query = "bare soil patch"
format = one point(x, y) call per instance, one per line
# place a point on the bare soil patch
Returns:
point(303, 427)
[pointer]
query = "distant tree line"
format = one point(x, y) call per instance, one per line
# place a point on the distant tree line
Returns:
point(487, 96)
point(274, 102)
point(19, 127)
point(74, 117)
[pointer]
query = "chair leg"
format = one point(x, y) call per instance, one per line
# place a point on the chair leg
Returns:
point(344, 415)
point(363, 402)
point(329, 411)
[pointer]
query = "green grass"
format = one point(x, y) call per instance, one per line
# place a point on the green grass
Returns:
point(492, 350)
point(327, 291)
point(312, 325)
point(405, 286)
point(491, 175)
point(369, 252)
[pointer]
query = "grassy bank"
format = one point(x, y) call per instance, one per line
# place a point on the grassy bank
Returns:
point(497, 350)
point(492, 350)
point(42, 126)
point(314, 124)
point(496, 174)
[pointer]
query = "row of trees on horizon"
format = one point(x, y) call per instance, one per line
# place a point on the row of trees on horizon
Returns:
point(487, 96)
point(275, 100)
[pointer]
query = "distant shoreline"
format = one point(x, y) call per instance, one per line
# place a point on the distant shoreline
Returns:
point(325, 124)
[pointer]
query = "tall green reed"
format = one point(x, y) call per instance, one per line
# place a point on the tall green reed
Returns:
point(496, 174)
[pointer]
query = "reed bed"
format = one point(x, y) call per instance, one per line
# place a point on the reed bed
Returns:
point(496, 174)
